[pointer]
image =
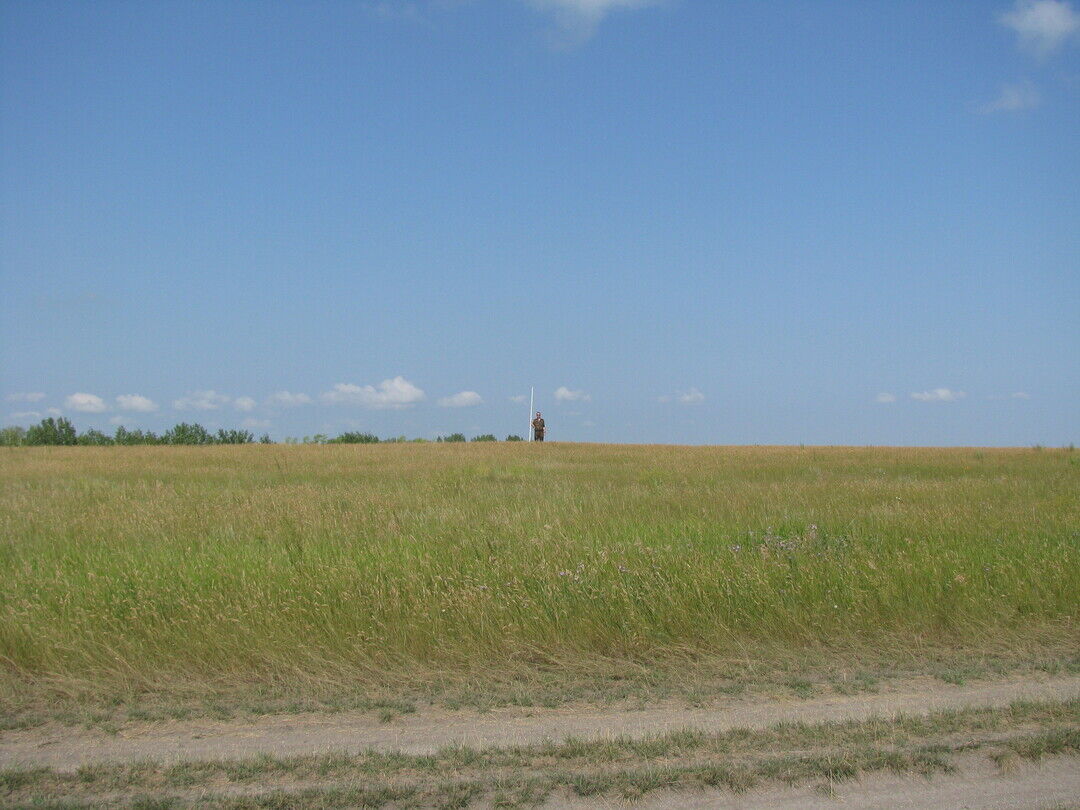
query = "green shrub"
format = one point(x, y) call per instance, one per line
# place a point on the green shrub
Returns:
point(355, 438)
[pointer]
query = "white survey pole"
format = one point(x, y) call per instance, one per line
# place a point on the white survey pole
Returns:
point(532, 394)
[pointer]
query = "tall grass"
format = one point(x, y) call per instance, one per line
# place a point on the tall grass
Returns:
point(136, 564)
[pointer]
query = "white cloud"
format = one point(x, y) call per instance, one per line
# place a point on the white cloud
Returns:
point(255, 423)
point(395, 393)
point(24, 415)
point(518, 398)
point(564, 394)
point(287, 399)
point(136, 402)
point(1014, 98)
point(1042, 25)
point(462, 399)
point(938, 395)
point(85, 403)
point(244, 404)
point(690, 397)
point(54, 412)
point(121, 419)
point(25, 396)
point(885, 397)
point(579, 18)
point(201, 401)
point(1021, 395)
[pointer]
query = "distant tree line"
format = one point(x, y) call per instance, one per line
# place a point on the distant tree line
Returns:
point(60, 431)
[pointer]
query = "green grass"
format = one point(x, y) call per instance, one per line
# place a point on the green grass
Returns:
point(130, 568)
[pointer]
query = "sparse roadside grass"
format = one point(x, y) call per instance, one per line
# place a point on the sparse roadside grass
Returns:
point(762, 673)
point(737, 760)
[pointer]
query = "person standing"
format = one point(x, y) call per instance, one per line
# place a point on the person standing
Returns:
point(538, 428)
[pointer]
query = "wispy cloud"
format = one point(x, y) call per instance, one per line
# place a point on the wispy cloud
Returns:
point(518, 398)
point(255, 423)
point(201, 401)
point(23, 416)
point(1013, 98)
point(287, 399)
point(25, 396)
point(1021, 395)
point(564, 394)
point(938, 395)
point(462, 399)
point(691, 397)
point(578, 19)
point(1042, 25)
point(244, 404)
point(85, 403)
point(884, 397)
point(395, 393)
point(136, 402)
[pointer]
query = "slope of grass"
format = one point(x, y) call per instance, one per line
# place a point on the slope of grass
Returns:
point(263, 563)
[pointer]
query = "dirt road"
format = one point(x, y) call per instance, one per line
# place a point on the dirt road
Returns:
point(67, 748)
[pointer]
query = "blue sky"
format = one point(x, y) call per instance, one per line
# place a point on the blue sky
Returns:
point(688, 221)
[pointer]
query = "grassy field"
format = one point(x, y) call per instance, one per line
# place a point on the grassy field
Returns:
point(132, 568)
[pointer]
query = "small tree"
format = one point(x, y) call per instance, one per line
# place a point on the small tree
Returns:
point(95, 438)
point(52, 432)
point(186, 434)
point(128, 437)
point(265, 439)
point(12, 436)
point(234, 437)
point(513, 437)
point(486, 437)
point(453, 437)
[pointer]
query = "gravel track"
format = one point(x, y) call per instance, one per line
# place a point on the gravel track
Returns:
point(66, 748)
